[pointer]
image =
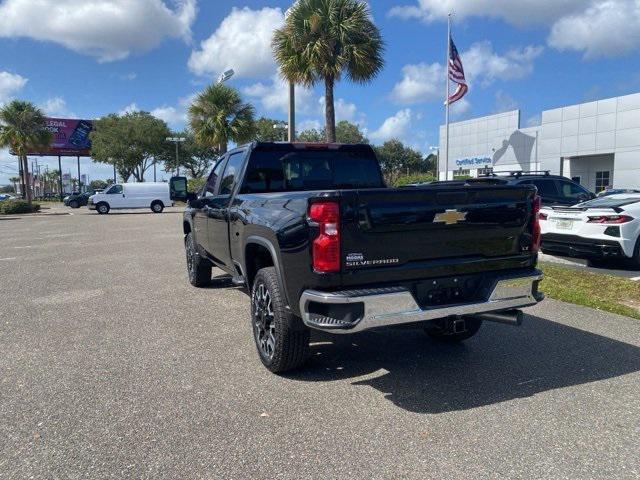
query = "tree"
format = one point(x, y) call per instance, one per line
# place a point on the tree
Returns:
point(14, 181)
point(131, 142)
point(193, 157)
point(397, 159)
point(98, 184)
point(322, 40)
point(218, 116)
point(270, 130)
point(23, 128)
point(346, 132)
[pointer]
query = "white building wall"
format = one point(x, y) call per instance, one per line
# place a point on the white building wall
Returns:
point(566, 135)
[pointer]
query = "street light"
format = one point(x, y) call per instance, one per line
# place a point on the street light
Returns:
point(177, 141)
point(226, 75)
point(284, 126)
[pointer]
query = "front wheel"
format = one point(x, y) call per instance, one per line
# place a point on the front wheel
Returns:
point(74, 204)
point(102, 208)
point(281, 338)
point(453, 330)
point(157, 207)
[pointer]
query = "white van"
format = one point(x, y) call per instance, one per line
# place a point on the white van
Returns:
point(153, 195)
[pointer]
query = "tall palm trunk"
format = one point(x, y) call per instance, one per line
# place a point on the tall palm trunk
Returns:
point(25, 179)
point(330, 113)
point(223, 147)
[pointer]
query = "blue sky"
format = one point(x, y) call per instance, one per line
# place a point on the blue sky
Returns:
point(88, 58)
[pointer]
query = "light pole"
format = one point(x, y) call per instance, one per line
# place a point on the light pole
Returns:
point(177, 141)
point(292, 96)
point(283, 126)
point(436, 148)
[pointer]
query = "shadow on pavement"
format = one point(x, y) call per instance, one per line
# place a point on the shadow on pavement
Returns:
point(501, 363)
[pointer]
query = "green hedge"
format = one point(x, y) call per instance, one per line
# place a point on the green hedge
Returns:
point(9, 207)
point(412, 178)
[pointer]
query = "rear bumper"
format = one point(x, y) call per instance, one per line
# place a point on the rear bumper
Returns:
point(581, 247)
point(382, 307)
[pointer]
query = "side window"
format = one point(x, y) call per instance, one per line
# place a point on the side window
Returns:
point(571, 190)
point(210, 186)
point(546, 188)
point(231, 173)
point(115, 189)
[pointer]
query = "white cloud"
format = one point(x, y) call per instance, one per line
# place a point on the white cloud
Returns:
point(421, 82)
point(397, 126)
point(56, 107)
point(242, 42)
point(595, 27)
point(10, 84)
point(132, 107)
point(504, 102)
point(106, 29)
point(424, 82)
point(520, 13)
point(274, 96)
point(459, 108)
point(171, 115)
point(309, 124)
point(606, 28)
point(481, 62)
point(344, 111)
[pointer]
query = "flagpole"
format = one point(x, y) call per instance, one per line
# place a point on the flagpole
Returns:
point(446, 100)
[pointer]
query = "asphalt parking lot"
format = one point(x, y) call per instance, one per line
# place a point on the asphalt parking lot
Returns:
point(113, 366)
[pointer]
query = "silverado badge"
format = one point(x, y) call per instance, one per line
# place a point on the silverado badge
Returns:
point(450, 217)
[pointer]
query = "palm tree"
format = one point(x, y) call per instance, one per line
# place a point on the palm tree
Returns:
point(322, 40)
point(14, 181)
point(23, 128)
point(218, 116)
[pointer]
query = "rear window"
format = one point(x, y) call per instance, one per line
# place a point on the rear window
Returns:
point(609, 202)
point(302, 170)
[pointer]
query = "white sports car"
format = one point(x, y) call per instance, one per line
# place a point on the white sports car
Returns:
point(605, 227)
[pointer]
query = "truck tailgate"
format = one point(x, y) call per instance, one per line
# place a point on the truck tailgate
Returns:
point(417, 229)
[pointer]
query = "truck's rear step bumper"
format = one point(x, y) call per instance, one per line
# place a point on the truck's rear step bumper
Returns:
point(356, 310)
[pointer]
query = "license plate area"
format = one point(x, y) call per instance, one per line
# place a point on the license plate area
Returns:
point(448, 291)
point(564, 224)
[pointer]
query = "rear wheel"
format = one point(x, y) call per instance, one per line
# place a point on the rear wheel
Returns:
point(281, 339)
point(157, 207)
point(453, 330)
point(102, 208)
point(635, 261)
point(198, 268)
point(74, 204)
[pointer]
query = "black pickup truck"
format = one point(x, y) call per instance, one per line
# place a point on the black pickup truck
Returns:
point(321, 243)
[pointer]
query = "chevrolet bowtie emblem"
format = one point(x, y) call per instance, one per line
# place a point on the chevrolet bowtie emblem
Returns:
point(450, 217)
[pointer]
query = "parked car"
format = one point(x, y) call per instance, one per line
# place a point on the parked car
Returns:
point(616, 191)
point(553, 189)
point(321, 243)
point(153, 195)
point(604, 228)
point(77, 200)
point(6, 196)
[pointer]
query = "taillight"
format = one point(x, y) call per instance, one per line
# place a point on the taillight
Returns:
point(535, 237)
point(326, 246)
point(610, 219)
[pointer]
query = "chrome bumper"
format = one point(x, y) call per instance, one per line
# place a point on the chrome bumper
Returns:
point(397, 305)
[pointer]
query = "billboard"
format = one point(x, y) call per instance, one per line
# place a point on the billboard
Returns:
point(70, 137)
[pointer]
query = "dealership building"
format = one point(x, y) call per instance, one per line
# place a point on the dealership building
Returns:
point(596, 144)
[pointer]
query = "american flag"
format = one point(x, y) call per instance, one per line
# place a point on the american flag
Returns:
point(456, 74)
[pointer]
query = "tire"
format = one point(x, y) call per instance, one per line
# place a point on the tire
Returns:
point(157, 206)
point(635, 261)
point(281, 339)
point(198, 268)
point(74, 204)
point(103, 208)
point(437, 330)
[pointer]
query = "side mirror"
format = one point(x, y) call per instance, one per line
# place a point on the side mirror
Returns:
point(178, 188)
